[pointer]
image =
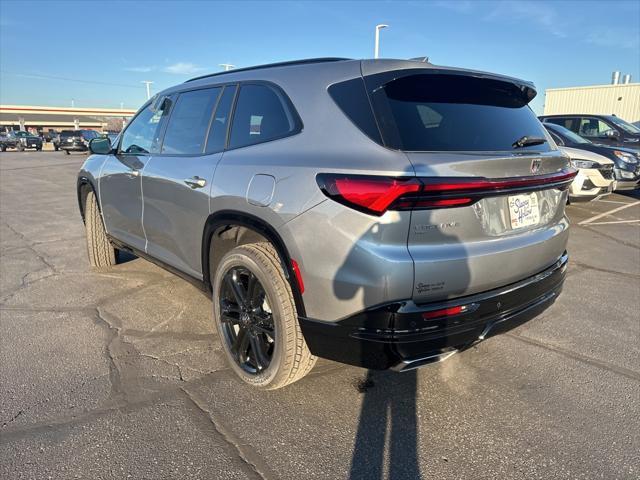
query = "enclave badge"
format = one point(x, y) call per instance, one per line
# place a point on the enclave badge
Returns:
point(535, 165)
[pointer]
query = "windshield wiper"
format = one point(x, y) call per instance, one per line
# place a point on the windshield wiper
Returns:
point(528, 141)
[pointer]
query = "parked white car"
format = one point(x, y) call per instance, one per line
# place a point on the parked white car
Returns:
point(595, 175)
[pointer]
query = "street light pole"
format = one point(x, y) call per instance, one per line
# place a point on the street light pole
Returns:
point(227, 66)
point(376, 50)
point(148, 84)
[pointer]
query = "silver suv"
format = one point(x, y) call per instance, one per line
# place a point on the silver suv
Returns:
point(380, 213)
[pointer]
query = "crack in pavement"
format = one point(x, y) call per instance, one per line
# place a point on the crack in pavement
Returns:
point(136, 379)
point(577, 356)
point(610, 237)
point(25, 410)
point(12, 434)
point(605, 270)
point(248, 455)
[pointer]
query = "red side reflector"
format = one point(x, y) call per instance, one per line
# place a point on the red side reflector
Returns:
point(296, 270)
point(445, 312)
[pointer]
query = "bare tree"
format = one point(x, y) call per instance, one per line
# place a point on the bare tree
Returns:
point(114, 124)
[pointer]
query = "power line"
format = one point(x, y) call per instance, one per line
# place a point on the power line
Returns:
point(66, 79)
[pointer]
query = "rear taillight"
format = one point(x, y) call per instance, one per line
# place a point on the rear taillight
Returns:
point(367, 193)
point(376, 194)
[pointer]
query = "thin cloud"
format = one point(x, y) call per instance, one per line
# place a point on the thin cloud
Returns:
point(183, 68)
point(541, 14)
point(460, 6)
point(140, 69)
point(615, 38)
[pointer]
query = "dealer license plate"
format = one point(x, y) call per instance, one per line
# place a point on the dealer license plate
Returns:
point(524, 210)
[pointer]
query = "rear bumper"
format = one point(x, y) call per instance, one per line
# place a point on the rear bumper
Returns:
point(73, 148)
point(398, 336)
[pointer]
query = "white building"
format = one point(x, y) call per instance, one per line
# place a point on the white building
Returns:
point(620, 99)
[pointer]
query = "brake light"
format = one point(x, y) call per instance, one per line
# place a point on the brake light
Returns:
point(374, 194)
point(377, 194)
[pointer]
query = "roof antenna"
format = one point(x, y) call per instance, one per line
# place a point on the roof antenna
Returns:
point(420, 59)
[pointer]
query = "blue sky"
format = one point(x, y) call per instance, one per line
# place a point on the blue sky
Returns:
point(97, 53)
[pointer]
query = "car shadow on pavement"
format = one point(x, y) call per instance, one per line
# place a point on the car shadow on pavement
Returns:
point(386, 442)
point(388, 417)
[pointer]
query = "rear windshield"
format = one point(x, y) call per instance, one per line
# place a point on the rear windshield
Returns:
point(70, 133)
point(439, 112)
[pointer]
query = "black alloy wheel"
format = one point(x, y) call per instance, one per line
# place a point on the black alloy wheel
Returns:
point(247, 320)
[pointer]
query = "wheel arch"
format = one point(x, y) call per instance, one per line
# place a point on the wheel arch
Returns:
point(84, 186)
point(217, 222)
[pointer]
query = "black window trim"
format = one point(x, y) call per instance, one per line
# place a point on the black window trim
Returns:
point(236, 87)
point(288, 105)
point(174, 98)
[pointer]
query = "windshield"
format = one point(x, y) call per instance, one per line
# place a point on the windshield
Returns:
point(626, 126)
point(427, 112)
point(565, 132)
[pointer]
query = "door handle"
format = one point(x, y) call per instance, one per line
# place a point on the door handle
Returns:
point(133, 173)
point(195, 182)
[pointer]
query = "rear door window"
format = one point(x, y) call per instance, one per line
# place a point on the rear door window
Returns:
point(593, 127)
point(439, 112)
point(260, 116)
point(189, 122)
point(568, 123)
point(218, 130)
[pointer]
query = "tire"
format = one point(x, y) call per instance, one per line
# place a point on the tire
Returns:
point(4, 149)
point(39, 149)
point(55, 147)
point(101, 253)
point(67, 152)
point(290, 358)
point(20, 147)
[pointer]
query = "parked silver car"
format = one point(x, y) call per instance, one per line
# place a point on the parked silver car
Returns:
point(381, 213)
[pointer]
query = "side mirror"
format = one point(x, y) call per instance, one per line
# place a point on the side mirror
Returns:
point(101, 146)
point(611, 133)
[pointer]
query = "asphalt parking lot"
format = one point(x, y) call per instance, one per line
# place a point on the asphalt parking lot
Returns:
point(119, 373)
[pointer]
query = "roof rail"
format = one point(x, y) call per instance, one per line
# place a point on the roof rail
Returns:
point(272, 65)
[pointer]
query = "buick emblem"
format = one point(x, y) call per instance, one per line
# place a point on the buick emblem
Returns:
point(535, 165)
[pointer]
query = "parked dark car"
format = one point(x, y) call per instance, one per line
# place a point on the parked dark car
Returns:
point(604, 129)
point(76, 140)
point(51, 136)
point(20, 140)
point(54, 137)
point(112, 136)
point(627, 160)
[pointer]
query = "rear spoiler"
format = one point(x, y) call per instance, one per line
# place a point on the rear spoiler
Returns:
point(394, 69)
